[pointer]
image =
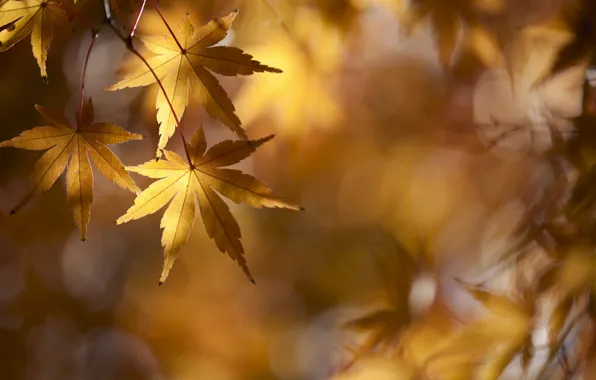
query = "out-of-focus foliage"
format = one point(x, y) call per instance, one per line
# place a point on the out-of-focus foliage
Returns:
point(309, 54)
point(450, 19)
point(444, 153)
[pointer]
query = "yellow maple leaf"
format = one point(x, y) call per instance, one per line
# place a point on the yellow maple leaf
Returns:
point(67, 145)
point(302, 97)
point(182, 63)
point(180, 182)
point(29, 16)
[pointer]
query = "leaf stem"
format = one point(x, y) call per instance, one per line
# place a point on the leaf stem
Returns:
point(156, 6)
point(95, 34)
point(129, 45)
point(133, 29)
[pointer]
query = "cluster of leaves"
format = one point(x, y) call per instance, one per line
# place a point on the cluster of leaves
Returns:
point(181, 66)
point(557, 232)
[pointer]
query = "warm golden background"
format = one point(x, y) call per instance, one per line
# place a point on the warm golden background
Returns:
point(386, 134)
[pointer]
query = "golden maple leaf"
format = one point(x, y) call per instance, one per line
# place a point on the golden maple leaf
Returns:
point(181, 182)
point(181, 63)
point(62, 143)
point(29, 16)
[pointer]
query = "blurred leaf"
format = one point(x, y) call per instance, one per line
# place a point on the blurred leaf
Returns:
point(506, 332)
point(384, 326)
point(378, 368)
point(582, 19)
point(450, 18)
point(300, 99)
point(426, 337)
point(556, 323)
point(576, 272)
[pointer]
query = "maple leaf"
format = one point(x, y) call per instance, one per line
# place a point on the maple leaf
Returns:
point(66, 145)
point(29, 16)
point(180, 182)
point(182, 63)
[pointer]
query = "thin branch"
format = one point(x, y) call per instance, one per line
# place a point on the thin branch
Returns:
point(129, 45)
point(94, 36)
point(133, 29)
point(156, 6)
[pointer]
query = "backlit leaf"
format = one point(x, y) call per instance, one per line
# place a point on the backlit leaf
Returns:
point(180, 183)
point(73, 146)
point(30, 16)
point(184, 63)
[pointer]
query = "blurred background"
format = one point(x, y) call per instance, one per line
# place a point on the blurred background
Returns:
point(411, 132)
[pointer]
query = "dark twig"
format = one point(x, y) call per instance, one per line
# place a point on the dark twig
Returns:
point(129, 45)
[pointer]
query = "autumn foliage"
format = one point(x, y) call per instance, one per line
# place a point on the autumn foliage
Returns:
point(442, 152)
point(180, 68)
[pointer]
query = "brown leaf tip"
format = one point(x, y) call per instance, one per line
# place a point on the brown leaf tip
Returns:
point(160, 283)
point(253, 281)
point(12, 212)
point(259, 142)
